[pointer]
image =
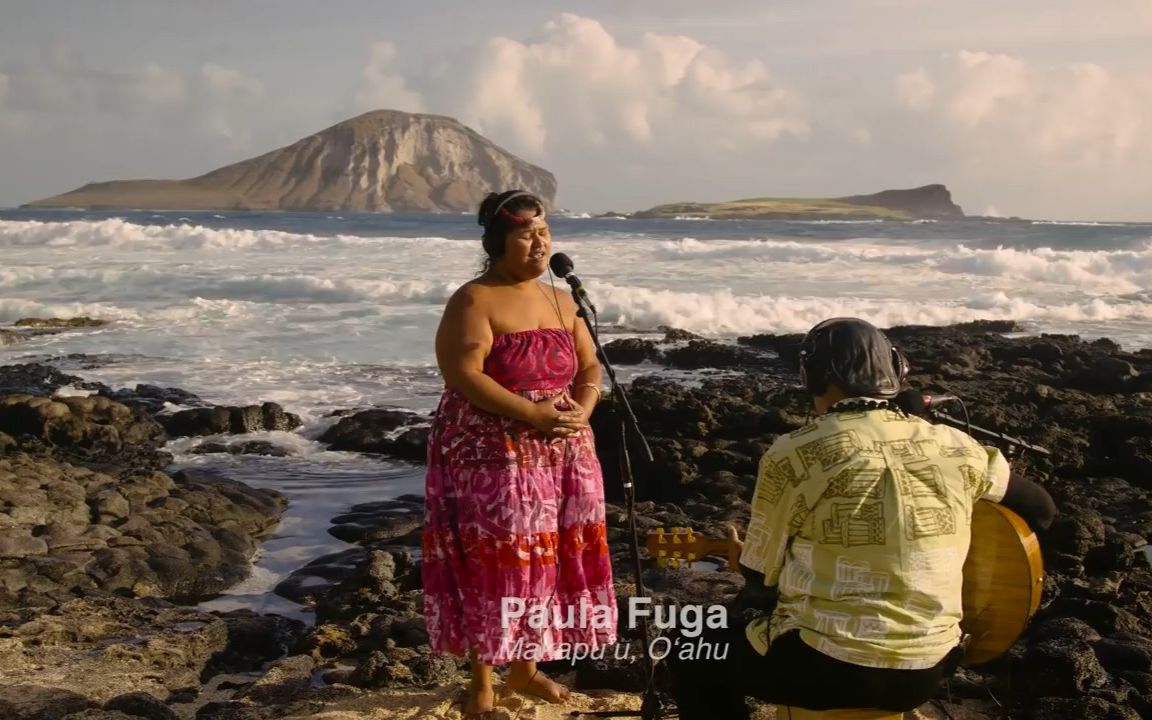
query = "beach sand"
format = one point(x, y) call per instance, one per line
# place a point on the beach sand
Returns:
point(444, 703)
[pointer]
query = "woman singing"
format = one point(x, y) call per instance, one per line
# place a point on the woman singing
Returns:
point(516, 561)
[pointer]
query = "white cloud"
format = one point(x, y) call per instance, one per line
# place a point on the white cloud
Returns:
point(574, 95)
point(228, 101)
point(384, 88)
point(916, 89)
point(65, 83)
point(1079, 114)
point(1012, 121)
point(577, 88)
point(225, 81)
point(155, 86)
point(8, 119)
point(697, 101)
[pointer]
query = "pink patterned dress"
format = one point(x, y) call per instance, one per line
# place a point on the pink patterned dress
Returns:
point(514, 524)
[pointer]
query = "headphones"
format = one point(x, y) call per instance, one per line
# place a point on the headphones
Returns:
point(817, 366)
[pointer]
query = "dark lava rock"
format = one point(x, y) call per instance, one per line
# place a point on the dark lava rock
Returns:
point(32, 702)
point(1075, 533)
point(64, 529)
point(91, 430)
point(397, 433)
point(365, 599)
point(404, 667)
point(254, 639)
point(386, 579)
point(287, 680)
point(1060, 668)
point(74, 322)
point(631, 351)
point(141, 705)
point(707, 354)
point(399, 520)
point(103, 646)
point(198, 422)
point(35, 379)
point(233, 710)
point(248, 447)
point(153, 399)
point(98, 714)
point(672, 335)
point(1125, 651)
point(1088, 653)
point(1063, 628)
point(1104, 375)
point(344, 584)
point(1086, 708)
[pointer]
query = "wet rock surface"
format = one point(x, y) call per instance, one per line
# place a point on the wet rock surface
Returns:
point(219, 420)
point(65, 529)
point(396, 433)
point(1087, 653)
point(104, 646)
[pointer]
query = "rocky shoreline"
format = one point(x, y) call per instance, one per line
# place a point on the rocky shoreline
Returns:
point(102, 551)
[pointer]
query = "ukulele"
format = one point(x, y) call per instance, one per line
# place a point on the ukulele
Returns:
point(1003, 575)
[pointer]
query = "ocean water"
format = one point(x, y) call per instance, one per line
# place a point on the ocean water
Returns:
point(323, 312)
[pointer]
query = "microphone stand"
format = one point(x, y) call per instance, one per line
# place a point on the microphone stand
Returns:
point(651, 708)
point(990, 434)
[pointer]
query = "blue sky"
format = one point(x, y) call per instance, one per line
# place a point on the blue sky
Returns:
point(1022, 107)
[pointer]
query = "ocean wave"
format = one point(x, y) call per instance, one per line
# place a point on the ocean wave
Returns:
point(186, 281)
point(1080, 223)
point(307, 288)
point(723, 313)
point(1112, 270)
point(116, 232)
point(875, 221)
point(194, 309)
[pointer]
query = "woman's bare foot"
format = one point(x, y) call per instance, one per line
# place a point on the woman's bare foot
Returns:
point(481, 700)
point(533, 682)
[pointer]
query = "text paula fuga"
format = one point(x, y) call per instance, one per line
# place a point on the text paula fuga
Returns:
point(543, 617)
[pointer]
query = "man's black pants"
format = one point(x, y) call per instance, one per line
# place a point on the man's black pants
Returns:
point(792, 673)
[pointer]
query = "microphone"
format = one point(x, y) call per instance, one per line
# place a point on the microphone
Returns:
point(915, 402)
point(562, 265)
point(931, 401)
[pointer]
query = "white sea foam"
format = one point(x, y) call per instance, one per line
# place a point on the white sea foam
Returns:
point(318, 322)
point(1112, 270)
point(120, 233)
point(724, 313)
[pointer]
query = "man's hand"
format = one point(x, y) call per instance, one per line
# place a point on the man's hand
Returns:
point(734, 537)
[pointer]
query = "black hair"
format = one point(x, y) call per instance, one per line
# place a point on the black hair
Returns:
point(499, 216)
point(853, 355)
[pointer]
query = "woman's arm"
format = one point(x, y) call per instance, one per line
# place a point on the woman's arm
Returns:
point(463, 341)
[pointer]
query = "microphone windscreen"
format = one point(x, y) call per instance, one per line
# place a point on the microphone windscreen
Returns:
point(561, 264)
point(911, 401)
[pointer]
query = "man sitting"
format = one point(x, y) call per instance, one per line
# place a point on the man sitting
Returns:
point(861, 522)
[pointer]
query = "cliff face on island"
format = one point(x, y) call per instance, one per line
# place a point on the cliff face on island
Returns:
point(927, 202)
point(379, 161)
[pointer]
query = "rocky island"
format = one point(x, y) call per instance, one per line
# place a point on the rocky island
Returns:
point(383, 160)
point(928, 202)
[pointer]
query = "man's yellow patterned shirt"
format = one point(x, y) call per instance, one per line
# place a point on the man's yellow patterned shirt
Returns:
point(863, 519)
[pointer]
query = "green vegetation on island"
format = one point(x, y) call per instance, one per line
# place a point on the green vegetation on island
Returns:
point(774, 209)
point(929, 201)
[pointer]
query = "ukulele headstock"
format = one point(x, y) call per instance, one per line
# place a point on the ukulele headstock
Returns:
point(677, 546)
